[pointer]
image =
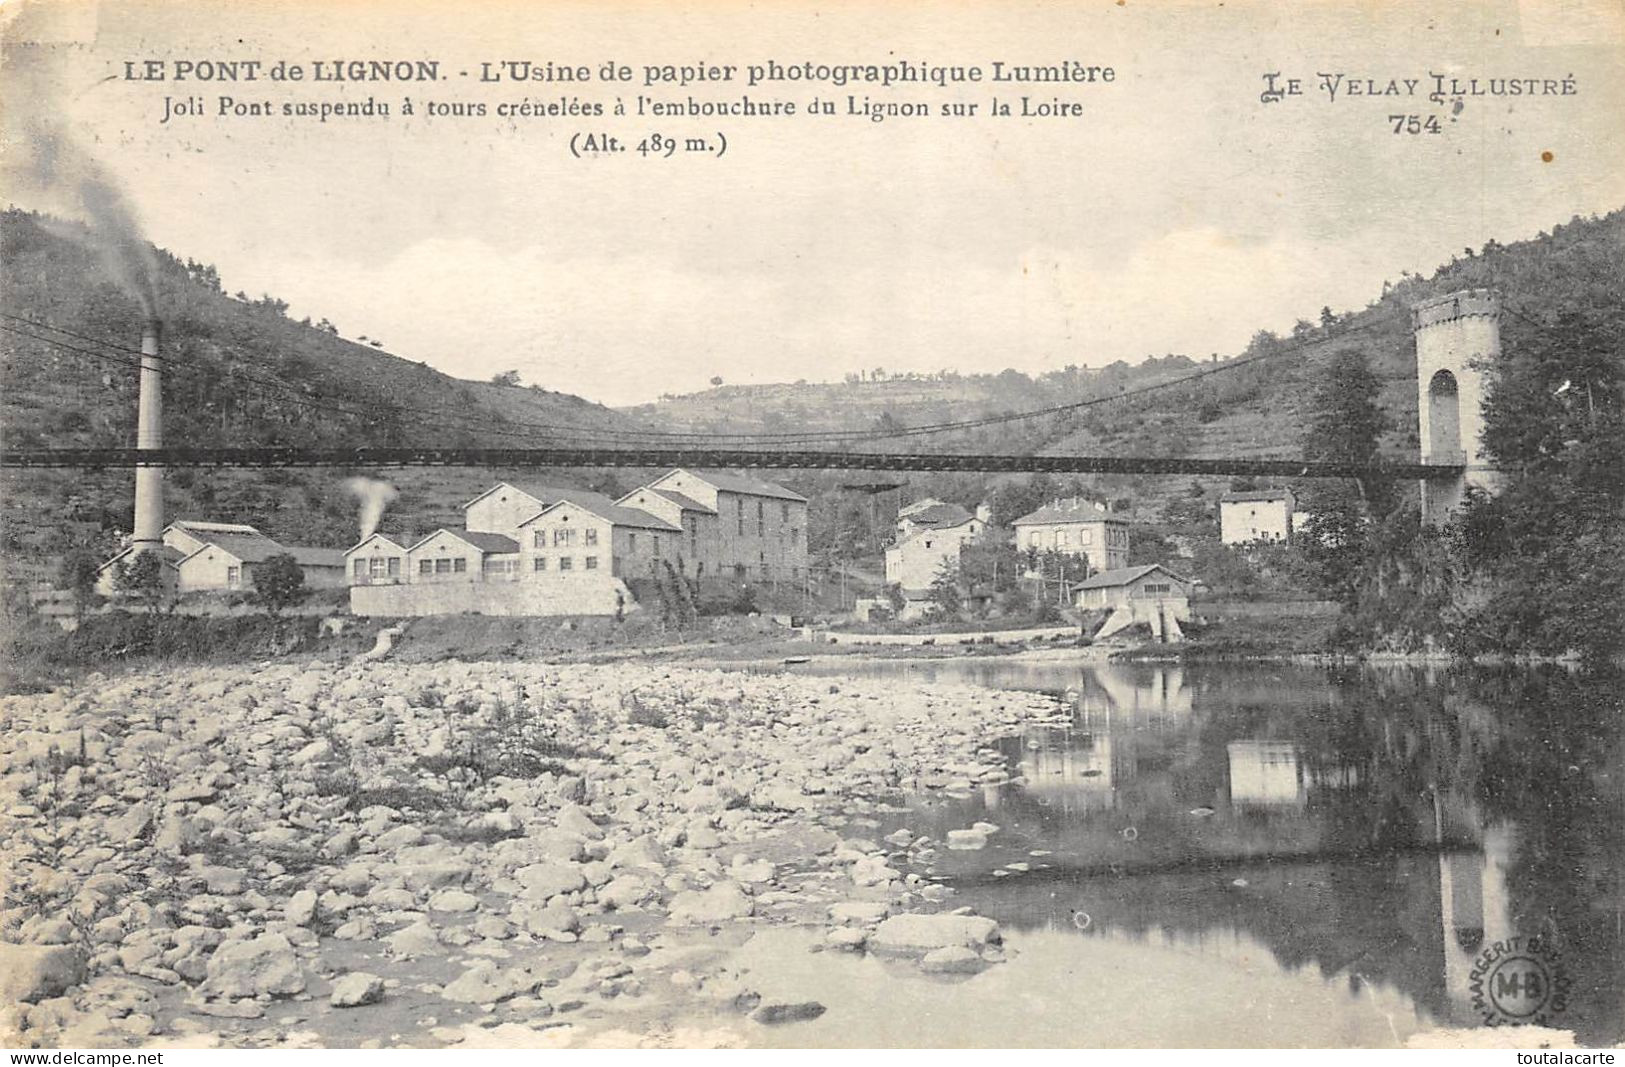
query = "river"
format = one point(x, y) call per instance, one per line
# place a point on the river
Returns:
point(1277, 855)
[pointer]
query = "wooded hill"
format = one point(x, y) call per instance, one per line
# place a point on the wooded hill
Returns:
point(1249, 403)
point(242, 373)
point(238, 372)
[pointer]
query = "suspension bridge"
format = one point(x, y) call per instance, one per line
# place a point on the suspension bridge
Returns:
point(747, 459)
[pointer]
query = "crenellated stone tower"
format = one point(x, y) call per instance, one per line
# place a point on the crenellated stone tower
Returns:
point(1458, 337)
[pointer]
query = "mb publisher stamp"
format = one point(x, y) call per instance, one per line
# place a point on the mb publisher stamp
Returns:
point(1518, 981)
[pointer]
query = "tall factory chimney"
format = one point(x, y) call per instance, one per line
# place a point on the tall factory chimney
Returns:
point(149, 433)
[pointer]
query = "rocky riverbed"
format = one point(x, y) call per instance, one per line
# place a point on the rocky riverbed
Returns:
point(469, 854)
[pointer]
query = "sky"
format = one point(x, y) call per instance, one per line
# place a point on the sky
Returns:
point(1177, 214)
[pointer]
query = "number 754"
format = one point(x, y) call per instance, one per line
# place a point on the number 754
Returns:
point(1415, 124)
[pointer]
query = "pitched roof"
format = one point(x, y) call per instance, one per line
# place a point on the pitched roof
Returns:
point(485, 542)
point(1074, 510)
point(310, 556)
point(245, 548)
point(1256, 494)
point(535, 490)
point(739, 482)
point(170, 556)
point(939, 516)
point(918, 505)
point(1124, 576)
point(687, 503)
point(194, 526)
point(376, 535)
point(615, 513)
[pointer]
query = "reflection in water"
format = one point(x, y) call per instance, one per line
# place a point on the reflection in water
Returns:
point(1265, 773)
point(1382, 828)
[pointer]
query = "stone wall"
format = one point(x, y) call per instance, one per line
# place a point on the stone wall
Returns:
point(577, 594)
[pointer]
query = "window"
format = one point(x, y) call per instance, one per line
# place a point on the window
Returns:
point(539, 563)
point(656, 539)
point(760, 524)
point(425, 566)
point(360, 568)
point(234, 575)
point(632, 542)
point(591, 563)
point(1062, 538)
point(538, 539)
point(1086, 537)
point(739, 515)
point(460, 565)
point(566, 563)
point(1155, 587)
point(562, 536)
point(795, 534)
point(590, 536)
point(739, 571)
point(394, 566)
point(784, 513)
point(442, 566)
point(378, 566)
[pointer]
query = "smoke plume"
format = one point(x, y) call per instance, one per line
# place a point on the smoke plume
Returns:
point(45, 159)
point(374, 496)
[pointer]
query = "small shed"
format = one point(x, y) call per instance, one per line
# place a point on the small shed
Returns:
point(1110, 589)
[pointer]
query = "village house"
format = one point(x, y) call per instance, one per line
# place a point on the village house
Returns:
point(1076, 527)
point(553, 550)
point(929, 538)
point(762, 525)
point(168, 575)
point(1256, 515)
point(448, 555)
point(599, 535)
point(377, 559)
point(699, 550)
point(222, 556)
point(501, 508)
point(1150, 594)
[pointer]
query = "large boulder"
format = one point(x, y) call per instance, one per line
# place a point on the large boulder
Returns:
point(37, 972)
point(723, 901)
point(357, 989)
point(545, 880)
point(266, 964)
point(915, 934)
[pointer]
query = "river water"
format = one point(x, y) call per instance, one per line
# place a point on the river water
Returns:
point(1274, 855)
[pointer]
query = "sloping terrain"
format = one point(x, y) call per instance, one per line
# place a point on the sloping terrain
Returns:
point(237, 373)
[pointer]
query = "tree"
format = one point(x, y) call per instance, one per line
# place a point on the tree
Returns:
point(78, 577)
point(1345, 427)
point(945, 599)
point(279, 582)
point(508, 379)
point(716, 381)
point(1547, 551)
point(141, 578)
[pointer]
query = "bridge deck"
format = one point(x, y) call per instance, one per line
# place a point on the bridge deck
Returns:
point(707, 457)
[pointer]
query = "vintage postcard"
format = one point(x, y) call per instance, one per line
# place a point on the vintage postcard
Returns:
point(1075, 524)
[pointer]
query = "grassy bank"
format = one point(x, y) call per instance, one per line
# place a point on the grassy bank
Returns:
point(37, 654)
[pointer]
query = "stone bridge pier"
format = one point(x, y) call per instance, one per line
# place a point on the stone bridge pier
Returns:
point(1458, 340)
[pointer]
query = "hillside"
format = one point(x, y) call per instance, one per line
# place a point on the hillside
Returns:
point(1258, 408)
point(238, 373)
point(242, 373)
